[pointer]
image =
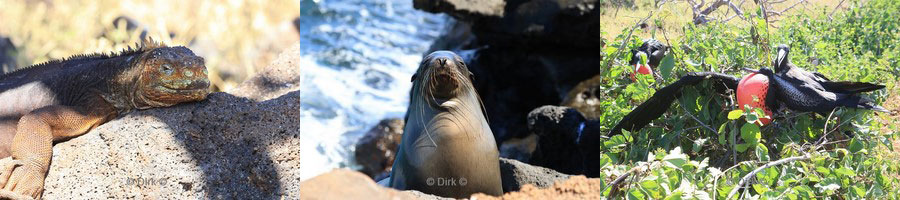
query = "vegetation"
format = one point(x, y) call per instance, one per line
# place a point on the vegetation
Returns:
point(235, 37)
point(706, 147)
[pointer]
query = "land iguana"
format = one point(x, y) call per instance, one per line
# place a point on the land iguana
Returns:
point(62, 99)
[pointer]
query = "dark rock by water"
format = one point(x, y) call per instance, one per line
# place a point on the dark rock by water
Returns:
point(531, 55)
point(376, 150)
point(567, 141)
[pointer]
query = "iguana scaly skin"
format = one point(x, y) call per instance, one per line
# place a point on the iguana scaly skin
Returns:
point(62, 99)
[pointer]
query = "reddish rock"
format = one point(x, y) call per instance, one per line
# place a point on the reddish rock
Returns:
point(347, 184)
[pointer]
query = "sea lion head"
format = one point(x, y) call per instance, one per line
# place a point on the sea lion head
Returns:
point(441, 76)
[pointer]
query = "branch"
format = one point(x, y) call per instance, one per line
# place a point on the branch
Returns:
point(698, 120)
point(716, 179)
point(753, 173)
point(620, 179)
point(627, 38)
point(835, 9)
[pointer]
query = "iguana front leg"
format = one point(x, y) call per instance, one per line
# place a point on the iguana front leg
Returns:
point(32, 145)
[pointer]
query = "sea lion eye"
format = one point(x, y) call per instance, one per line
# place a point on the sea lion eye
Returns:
point(166, 68)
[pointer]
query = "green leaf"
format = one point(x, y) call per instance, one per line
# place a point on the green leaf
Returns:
point(845, 171)
point(762, 153)
point(742, 147)
point(675, 158)
point(752, 118)
point(650, 185)
point(750, 133)
point(643, 59)
point(860, 192)
point(666, 65)
point(635, 194)
point(674, 196)
point(760, 188)
point(735, 114)
point(855, 146)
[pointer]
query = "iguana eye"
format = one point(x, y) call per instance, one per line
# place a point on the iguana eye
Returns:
point(166, 68)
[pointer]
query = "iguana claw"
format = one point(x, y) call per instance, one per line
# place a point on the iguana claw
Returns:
point(19, 181)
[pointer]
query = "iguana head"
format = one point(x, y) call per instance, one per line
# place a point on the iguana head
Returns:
point(168, 76)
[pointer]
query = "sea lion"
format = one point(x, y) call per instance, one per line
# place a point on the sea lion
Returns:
point(447, 148)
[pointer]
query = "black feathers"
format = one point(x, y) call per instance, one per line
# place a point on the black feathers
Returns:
point(805, 91)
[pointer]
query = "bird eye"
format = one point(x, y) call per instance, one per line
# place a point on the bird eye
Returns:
point(166, 68)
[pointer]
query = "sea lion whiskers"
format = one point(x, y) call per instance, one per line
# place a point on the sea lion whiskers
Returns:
point(442, 94)
point(421, 109)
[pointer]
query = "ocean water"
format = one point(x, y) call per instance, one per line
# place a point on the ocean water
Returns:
point(358, 57)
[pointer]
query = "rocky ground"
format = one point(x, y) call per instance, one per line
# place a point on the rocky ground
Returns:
point(516, 176)
point(243, 144)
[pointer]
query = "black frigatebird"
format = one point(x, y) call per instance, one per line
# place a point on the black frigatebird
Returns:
point(654, 49)
point(793, 88)
point(804, 91)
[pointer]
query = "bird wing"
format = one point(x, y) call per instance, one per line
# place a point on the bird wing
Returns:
point(654, 107)
point(848, 87)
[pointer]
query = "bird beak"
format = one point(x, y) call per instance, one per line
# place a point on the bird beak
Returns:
point(782, 58)
point(751, 70)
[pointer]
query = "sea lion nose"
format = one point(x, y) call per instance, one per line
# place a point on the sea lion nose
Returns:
point(442, 61)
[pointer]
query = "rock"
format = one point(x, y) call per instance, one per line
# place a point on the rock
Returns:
point(512, 82)
point(273, 82)
point(516, 174)
point(586, 97)
point(567, 141)
point(462, 8)
point(348, 184)
point(530, 56)
point(577, 187)
point(533, 23)
point(520, 149)
point(376, 150)
point(7, 55)
point(225, 147)
point(423, 196)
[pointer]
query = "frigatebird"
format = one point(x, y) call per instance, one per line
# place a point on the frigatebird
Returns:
point(793, 88)
point(804, 91)
point(654, 49)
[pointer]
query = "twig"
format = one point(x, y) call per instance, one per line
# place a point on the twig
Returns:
point(753, 173)
point(620, 179)
point(716, 179)
point(825, 129)
point(627, 38)
point(835, 9)
point(835, 142)
point(698, 120)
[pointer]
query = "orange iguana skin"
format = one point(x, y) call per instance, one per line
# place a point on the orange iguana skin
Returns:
point(62, 99)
